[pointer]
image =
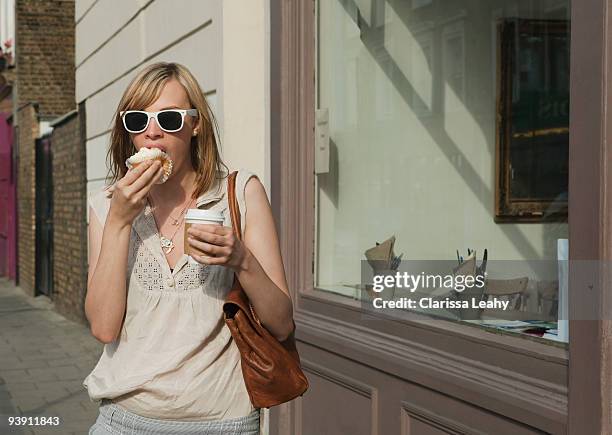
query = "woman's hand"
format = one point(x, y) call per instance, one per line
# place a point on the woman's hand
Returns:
point(130, 193)
point(218, 246)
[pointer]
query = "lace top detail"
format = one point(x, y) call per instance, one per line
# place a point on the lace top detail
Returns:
point(143, 266)
point(175, 357)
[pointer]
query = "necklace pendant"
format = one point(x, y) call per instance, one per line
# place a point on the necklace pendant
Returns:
point(166, 244)
point(176, 222)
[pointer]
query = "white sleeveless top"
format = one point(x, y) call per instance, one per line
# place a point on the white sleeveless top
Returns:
point(175, 357)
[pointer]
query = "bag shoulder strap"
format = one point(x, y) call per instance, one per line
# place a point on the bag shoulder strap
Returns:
point(235, 216)
point(233, 204)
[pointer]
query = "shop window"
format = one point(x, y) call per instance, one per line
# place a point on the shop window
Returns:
point(410, 170)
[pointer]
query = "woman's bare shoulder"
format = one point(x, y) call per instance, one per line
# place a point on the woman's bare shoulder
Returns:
point(99, 200)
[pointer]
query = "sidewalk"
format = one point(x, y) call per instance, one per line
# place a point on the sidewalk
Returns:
point(44, 359)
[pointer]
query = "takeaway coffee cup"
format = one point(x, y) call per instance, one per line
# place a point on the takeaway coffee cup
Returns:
point(198, 216)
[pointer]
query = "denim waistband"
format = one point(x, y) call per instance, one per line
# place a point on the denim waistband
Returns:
point(124, 422)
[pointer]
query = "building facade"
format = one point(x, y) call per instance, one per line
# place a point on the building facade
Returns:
point(38, 87)
point(381, 130)
point(424, 128)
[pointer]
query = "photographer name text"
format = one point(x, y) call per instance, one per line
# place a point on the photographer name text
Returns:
point(445, 304)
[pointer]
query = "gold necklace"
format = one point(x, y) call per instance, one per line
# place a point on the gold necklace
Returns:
point(177, 221)
point(168, 244)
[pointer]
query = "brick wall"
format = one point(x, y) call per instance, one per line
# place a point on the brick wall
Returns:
point(69, 219)
point(44, 55)
point(27, 117)
point(44, 73)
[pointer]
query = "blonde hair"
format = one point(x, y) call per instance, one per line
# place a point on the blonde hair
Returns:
point(143, 91)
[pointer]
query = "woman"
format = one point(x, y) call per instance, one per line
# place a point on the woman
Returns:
point(170, 364)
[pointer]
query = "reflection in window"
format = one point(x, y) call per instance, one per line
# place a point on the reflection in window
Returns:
point(533, 121)
point(411, 90)
point(454, 69)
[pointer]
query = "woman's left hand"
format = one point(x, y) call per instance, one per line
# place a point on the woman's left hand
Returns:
point(218, 244)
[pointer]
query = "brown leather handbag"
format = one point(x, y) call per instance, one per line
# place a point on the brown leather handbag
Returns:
point(271, 369)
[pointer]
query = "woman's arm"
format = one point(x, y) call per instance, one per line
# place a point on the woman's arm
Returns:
point(106, 289)
point(256, 259)
point(105, 302)
point(262, 274)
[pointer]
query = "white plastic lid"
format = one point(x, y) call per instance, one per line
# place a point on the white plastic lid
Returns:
point(196, 214)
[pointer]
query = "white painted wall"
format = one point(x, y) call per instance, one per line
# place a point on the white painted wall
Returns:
point(246, 85)
point(225, 44)
point(7, 21)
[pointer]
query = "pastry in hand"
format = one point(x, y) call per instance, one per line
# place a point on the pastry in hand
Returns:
point(145, 154)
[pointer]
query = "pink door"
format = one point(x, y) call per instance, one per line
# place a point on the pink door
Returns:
point(8, 227)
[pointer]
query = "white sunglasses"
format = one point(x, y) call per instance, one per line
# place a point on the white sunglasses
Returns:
point(170, 120)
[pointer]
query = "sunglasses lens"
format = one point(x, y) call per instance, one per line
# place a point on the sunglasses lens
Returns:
point(135, 121)
point(170, 120)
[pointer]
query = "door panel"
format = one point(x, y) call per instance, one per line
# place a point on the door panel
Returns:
point(336, 403)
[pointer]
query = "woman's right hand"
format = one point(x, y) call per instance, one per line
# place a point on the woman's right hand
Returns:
point(130, 193)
